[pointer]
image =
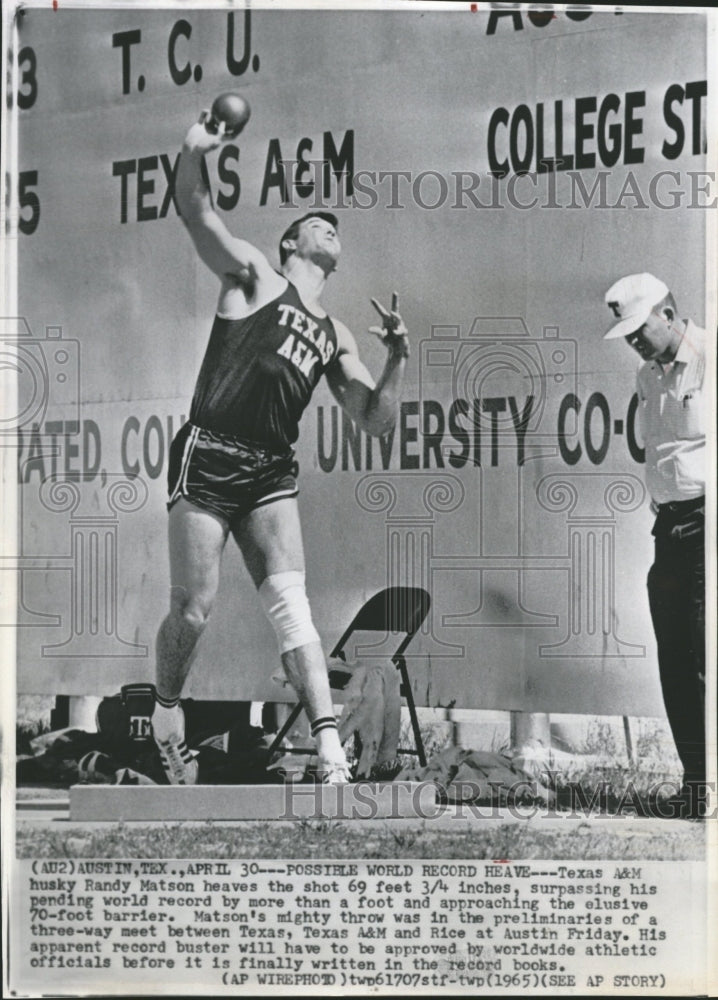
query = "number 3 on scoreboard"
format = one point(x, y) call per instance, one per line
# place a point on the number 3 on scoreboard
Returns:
point(27, 78)
point(27, 64)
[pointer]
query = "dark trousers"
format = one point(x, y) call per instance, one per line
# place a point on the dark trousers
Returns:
point(676, 591)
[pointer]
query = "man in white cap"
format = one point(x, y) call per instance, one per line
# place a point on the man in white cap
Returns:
point(672, 420)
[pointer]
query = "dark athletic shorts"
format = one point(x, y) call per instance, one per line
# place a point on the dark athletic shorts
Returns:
point(225, 475)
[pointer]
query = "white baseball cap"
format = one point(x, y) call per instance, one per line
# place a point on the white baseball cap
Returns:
point(632, 298)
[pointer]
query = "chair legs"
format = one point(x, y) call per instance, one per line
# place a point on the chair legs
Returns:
point(400, 663)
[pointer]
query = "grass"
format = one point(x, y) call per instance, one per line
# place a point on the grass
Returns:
point(333, 840)
point(606, 772)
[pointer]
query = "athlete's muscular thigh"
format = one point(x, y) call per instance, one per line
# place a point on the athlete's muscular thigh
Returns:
point(196, 541)
point(270, 539)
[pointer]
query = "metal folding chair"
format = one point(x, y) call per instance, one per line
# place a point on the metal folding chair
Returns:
point(396, 609)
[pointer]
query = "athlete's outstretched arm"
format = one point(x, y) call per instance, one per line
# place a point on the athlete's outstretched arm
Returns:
point(372, 407)
point(220, 251)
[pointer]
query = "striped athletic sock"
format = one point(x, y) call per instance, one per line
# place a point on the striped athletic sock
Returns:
point(326, 733)
point(166, 702)
point(324, 722)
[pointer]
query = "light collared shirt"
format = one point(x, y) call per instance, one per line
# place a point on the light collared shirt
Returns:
point(672, 419)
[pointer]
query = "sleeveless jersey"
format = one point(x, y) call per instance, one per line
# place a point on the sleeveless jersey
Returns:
point(259, 372)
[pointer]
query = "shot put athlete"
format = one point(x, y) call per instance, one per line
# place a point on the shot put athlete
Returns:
point(232, 468)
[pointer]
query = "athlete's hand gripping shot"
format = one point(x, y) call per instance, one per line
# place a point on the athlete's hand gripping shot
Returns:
point(232, 467)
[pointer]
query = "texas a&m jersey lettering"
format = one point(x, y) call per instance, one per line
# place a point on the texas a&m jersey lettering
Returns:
point(307, 344)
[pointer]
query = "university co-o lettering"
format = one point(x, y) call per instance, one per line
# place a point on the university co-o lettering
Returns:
point(487, 432)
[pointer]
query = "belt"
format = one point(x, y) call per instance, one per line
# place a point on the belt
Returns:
point(682, 506)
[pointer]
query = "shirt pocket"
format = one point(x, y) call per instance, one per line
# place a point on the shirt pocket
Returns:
point(688, 416)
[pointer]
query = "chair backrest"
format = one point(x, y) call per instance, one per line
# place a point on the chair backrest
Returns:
point(395, 609)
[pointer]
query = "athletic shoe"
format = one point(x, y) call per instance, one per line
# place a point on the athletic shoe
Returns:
point(177, 760)
point(333, 774)
point(179, 765)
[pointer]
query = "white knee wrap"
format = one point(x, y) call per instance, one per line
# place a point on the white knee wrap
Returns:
point(285, 604)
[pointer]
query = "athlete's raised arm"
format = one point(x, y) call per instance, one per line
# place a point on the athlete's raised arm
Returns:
point(372, 407)
point(230, 258)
